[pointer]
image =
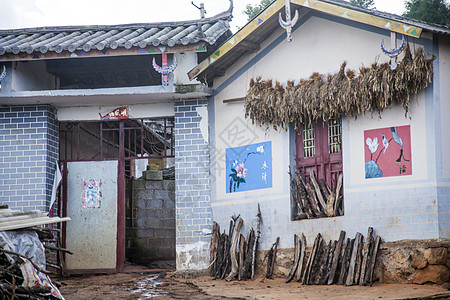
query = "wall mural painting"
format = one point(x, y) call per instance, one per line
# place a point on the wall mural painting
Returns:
point(249, 167)
point(388, 152)
point(91, 194)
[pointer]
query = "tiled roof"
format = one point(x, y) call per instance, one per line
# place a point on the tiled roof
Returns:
point(87, 38)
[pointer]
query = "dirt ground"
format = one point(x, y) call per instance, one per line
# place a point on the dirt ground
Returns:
point(144, 283)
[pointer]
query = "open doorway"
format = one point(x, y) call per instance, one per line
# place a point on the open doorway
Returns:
point(115, 189)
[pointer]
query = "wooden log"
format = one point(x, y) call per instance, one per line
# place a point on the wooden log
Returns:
point(213, 248)
point(271, 257)
point(313, 200)
point(330, 262)
point(338, 199)
point(248, 255)
point(324, 188)
point(345, 261)
point(312, 256)
point(299, 214)
point(316, 264)
point(302, 259)
point(323, 264)
point(296, 258)
point(358, 261)
point(255, 245)
point(353, 258)
point(57, 249)
point(303, 195)
point(365, 256)
point(241, 257)
point(220, 255)
point(337, 255)
point(373, 259)
point(234, 245)
point(312, 176)
point(330, 204)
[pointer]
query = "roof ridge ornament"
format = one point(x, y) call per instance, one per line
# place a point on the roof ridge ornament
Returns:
point(289, 23)
point(394, 52)
point(165, 69)
point(2, 75)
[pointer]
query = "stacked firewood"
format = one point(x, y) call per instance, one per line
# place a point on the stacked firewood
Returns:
point(232, 253)
point(348, 263)
point(315, 199)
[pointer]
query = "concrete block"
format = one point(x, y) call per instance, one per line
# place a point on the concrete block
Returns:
point(161, 194)
point(154, 175)
point(154, 203)
point(154, 184)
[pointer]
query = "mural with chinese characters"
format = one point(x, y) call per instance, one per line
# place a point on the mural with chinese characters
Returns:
point(387, 152)
point(249, 167)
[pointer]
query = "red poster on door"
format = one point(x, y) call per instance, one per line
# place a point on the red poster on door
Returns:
point(387, 152)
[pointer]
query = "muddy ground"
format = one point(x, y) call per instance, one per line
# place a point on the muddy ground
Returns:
point(143, 283)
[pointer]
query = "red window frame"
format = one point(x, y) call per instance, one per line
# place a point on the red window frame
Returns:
point(326, 165)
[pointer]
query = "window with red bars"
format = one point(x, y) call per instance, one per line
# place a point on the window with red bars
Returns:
point(317, 190)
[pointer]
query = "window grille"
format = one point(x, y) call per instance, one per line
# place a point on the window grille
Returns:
point(334, 135)
point(308, 140)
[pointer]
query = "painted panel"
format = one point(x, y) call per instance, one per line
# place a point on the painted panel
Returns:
point(92, 233)
point(388, 152)
point(249, 167)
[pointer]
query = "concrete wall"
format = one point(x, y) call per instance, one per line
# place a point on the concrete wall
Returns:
point(192, 184)
point(28, 154)
point(407, 207)
point(153, 234)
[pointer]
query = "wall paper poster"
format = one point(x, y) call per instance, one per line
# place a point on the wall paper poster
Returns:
point(249, 167)
point(91, 194)
point(388, 152)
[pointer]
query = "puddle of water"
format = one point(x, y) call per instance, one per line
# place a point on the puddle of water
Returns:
point(148, 288)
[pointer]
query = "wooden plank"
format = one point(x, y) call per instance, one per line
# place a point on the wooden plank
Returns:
point(358, 262)
point(345, 261)
point(33, 222)
point(353, 258)
point(373, 259)
point(241, 256)
point(330, 262)
point(366, 258)
point(234, 245)
point(337, 254)
point(311, 259)
point(323, 265)
point(338, 195)
point(296, 258)
point(213, 248)
point(271, 257)
point(301, 261)
point(312, 176)
point(361, 17)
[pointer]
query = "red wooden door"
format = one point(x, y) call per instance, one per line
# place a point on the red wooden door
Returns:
point(319, 149)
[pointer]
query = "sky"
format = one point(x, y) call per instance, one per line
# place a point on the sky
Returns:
point(39, 13)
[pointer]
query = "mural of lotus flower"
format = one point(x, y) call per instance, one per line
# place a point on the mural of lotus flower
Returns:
point(372, 144)
point(237, 176)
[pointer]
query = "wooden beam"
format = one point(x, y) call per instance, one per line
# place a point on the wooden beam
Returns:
point(233, 100)
point(249, 46)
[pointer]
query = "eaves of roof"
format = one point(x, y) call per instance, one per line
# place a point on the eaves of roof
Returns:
point(259, 28)
point(54, 42)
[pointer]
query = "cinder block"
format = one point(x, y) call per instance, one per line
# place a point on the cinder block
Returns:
point(153, 203)
point(153, 184)
point(154, 175)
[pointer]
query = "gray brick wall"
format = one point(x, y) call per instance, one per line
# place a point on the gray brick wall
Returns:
point(28, 154)
point(192, 185)
point(153, 234)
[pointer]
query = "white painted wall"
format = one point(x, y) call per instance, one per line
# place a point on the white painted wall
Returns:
point(31, 76)
point(186, 62)
point(444, 96)
point(397, 207)
point(137, 111)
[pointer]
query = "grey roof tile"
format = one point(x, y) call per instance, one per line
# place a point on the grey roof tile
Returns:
point(87, 38)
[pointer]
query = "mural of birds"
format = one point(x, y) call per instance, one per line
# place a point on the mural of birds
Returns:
point(385, 142)
point(396, 137)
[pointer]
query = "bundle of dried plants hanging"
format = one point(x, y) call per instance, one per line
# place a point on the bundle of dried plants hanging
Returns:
point(345, 93)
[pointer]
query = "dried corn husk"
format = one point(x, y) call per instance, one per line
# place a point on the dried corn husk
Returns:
point(343, 94)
